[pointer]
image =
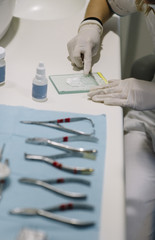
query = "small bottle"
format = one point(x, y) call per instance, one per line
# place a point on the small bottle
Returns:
point(2, 65)
point(39, 85)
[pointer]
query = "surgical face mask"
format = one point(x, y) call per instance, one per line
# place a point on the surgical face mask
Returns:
point(152, 6)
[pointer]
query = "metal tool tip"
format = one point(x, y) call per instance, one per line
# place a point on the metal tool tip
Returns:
point(21, 179)
point(29, 140)
point(25, 122)
point(88, 171)
point(91, 156)
point(13, 211)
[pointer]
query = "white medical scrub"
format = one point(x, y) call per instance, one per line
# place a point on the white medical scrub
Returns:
point(139, 127)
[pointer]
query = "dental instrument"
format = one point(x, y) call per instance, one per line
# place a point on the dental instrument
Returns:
point(69, 206)
point(67, 139)
point(56, 124)
point(49, 160)
point(90, 153)
point(4, 168)
point(67, 180)
point(2, 181)
point(47, 213)
point(48, 186)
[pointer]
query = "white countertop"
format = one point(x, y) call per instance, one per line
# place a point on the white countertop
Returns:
point(28, 42)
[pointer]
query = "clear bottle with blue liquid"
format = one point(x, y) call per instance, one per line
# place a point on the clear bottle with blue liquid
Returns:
point(2, 65)
point(39, 85)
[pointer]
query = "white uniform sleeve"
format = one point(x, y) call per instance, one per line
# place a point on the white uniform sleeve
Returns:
point(123, 7)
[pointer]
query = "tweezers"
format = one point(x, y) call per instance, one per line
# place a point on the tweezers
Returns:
point(49, 160)
point(48, 186)
point(47, 213)
point(81, 152)
point(57, 124)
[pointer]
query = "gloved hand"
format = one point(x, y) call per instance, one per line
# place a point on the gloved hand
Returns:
point(85, 45)
point(131, 92)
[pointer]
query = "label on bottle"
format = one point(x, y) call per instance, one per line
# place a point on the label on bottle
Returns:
point(39, 92)
point(2, 74)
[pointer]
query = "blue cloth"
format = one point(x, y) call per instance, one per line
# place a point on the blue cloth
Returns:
point(16, 194)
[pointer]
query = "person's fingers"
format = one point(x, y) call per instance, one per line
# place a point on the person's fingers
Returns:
point(116, 102)
point(87, 60)
point(110, 101)
point(111, 84)
point(108, 92)
point(77, 57)
point(98, 95)
point(112, 90)
point(96, 92)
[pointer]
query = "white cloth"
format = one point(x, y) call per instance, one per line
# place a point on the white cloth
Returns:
point(139, 144)
point(140, 185)
point(141, 121)
point(139, 139)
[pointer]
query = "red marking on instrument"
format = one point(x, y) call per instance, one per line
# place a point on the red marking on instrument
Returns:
point(75, 170)
point(57, 165)
point(66, 206)
point(70, 206)
point(60, 120)
point(63, 207)
point(60, 180)
point(67, 119)
point(65, 139)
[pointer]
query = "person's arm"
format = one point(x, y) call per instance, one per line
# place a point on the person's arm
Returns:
point(99, 9)
point(86, 44)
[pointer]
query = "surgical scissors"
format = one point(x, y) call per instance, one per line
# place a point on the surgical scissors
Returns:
point(48, 213)
point(57, 124)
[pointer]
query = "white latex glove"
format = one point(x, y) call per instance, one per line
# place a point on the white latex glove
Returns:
point(131, 92)
point(85, 45)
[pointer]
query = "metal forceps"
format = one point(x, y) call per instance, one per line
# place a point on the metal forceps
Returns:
point(81, 152)
point(57, 124)
point(65, 139)
point(52, 162)
point(48, 213)
point(48, 185)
